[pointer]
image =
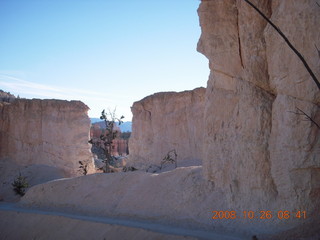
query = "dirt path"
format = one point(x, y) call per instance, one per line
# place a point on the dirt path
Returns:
point(17, 222)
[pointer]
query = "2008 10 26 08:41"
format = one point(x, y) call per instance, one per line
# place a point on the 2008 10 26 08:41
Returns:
point(259, 214)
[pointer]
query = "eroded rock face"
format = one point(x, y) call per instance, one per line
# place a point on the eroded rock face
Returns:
point(52, 133)
point(166, 121)
point(256, 150)
point(257, 154)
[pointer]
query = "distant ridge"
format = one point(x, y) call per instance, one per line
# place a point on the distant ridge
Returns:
point(124, 127)
point(94, 120)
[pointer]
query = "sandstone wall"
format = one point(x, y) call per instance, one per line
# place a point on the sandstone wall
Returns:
point(166, 121)
point(50, 134)
point(260, 154)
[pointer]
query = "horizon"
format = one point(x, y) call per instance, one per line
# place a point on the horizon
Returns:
point(105, 54)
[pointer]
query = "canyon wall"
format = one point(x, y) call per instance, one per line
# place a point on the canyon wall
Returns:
point(166, 121)
point(44, 135)
point(257, 148)
point(259, 153)
point(120, 147)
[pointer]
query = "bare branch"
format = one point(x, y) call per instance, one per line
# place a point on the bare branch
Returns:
point(307, 117)
point(171, 157)
point(288, 42)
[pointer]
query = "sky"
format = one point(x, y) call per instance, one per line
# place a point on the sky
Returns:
point(108, 54)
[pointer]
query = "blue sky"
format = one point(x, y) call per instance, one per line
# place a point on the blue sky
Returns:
point(105, 53)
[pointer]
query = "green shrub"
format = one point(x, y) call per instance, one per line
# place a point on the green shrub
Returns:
point(20, 184)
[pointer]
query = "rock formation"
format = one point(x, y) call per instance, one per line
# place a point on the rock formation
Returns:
point(46, 133)
point(178, 197)
point(166, 121)
point(120, 147)
point(258, 154)
point(257, 151)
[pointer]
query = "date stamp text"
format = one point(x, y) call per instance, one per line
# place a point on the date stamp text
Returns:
point(282, 215)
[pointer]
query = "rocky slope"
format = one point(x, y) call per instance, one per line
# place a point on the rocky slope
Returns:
point(179, 198)
point(38, 135)
point(166, 121)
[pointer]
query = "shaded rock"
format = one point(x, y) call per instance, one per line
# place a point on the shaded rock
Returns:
point(98, 163)
point(153, 169)
point(32, 225)
point(35, 174)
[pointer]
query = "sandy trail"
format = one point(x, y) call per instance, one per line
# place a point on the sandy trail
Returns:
point(29, 223)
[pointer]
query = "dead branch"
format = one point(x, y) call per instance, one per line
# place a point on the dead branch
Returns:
point(288, 42)
point(307, 117)
point(171, 157)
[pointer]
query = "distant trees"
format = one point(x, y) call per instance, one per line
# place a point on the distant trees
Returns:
point(6, 97)
point(125, 135)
